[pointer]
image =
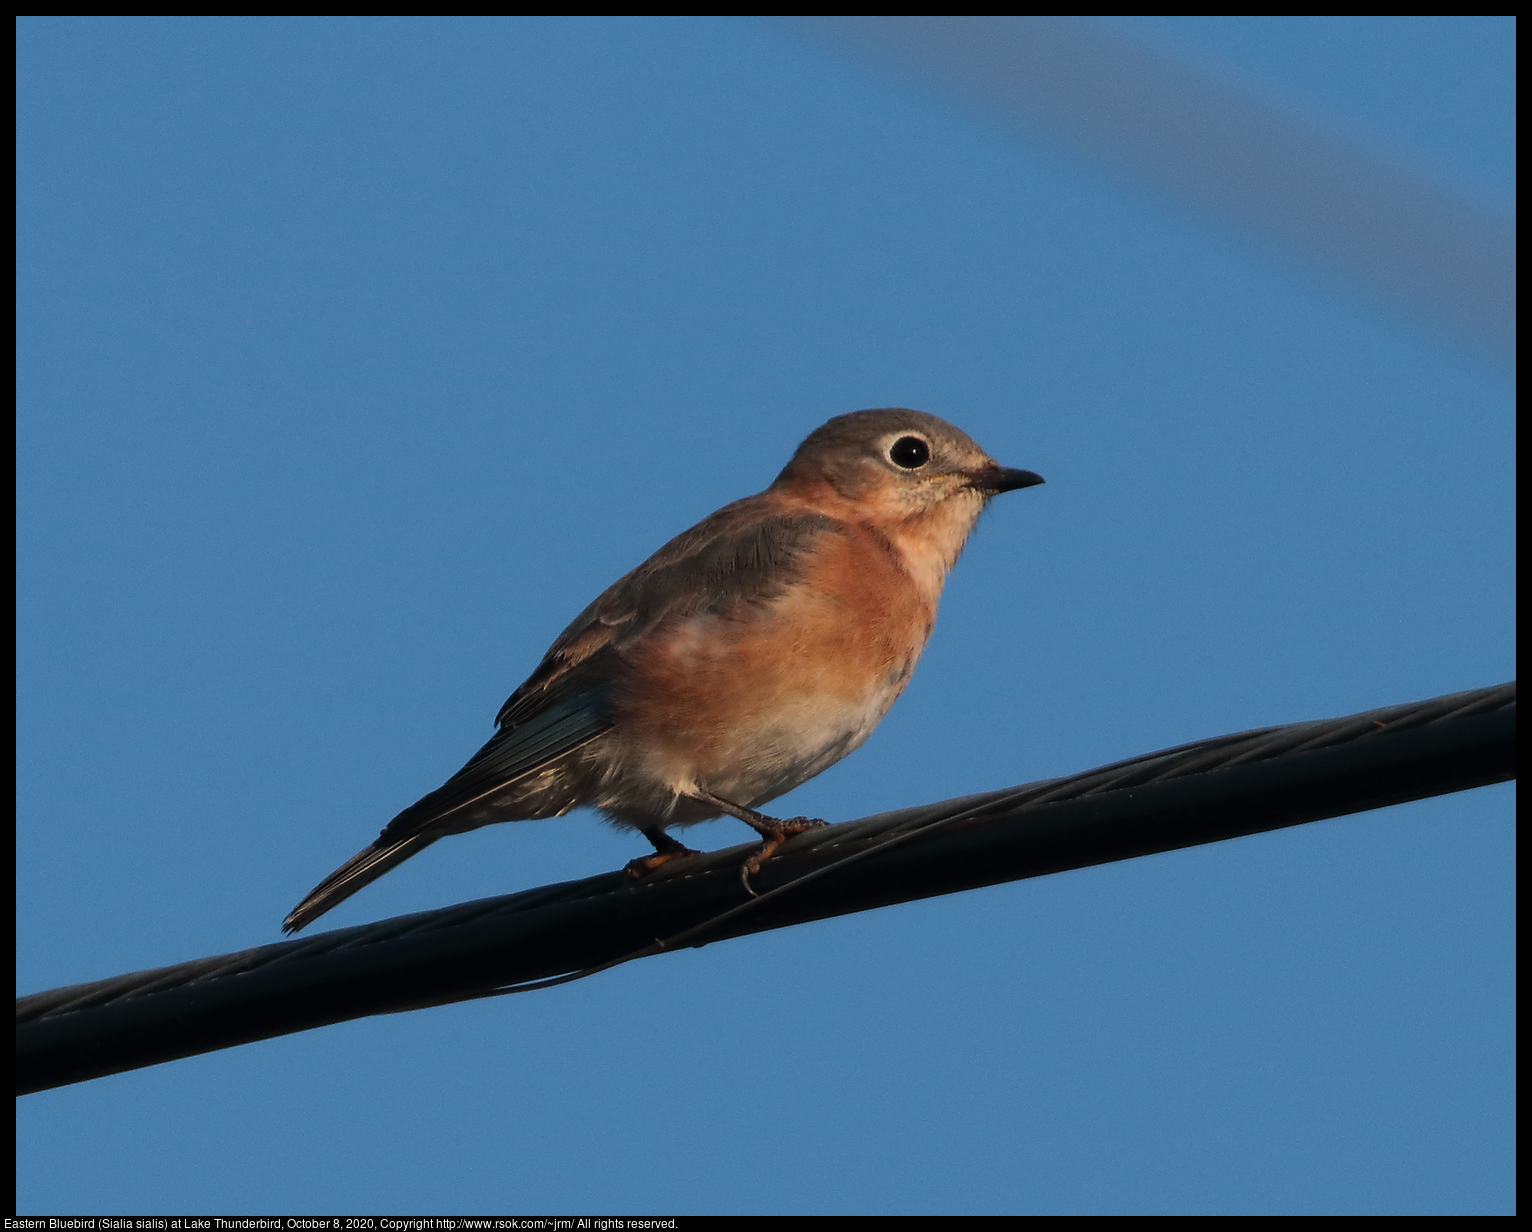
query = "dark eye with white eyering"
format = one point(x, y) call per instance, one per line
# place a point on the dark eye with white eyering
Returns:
point(909, 452)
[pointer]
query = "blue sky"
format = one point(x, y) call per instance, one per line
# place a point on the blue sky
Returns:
point(356, 356)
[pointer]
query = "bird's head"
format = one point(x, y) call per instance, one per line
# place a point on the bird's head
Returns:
point(899, 463)
point(915, 478)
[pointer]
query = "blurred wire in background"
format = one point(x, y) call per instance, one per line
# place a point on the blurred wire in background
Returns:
point(1163, 125)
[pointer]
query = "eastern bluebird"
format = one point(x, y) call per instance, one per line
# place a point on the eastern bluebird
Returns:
point(741, 659)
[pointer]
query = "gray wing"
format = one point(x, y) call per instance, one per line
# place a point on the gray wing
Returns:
point(742, 554)
point(729, 559)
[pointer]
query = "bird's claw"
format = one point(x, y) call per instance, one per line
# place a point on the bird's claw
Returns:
point(773, 838)
point(644, 865)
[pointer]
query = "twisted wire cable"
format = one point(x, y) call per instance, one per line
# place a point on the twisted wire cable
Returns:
point(1194, 793)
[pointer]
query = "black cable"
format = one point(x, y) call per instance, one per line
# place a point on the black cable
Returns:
point(1195, 793)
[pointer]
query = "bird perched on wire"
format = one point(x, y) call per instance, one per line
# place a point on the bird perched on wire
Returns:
point(745, 656)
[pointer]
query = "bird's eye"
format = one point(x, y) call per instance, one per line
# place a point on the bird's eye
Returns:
point(909, 452)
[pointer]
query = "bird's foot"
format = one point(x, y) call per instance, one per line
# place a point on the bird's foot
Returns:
point(645, 865)
point(773, 831)
point(666, 849)
point(773, 834)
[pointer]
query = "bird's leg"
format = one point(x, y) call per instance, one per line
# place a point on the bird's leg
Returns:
point(666, 849)
point(773, 832)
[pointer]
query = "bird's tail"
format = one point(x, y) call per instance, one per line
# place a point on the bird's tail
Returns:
point(351, 876)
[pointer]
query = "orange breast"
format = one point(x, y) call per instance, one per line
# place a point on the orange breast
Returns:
point(762, 697)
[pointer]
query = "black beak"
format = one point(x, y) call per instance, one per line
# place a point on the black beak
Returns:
point(1004, 479)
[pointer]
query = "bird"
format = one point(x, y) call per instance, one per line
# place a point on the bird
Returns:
point(744, 657)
